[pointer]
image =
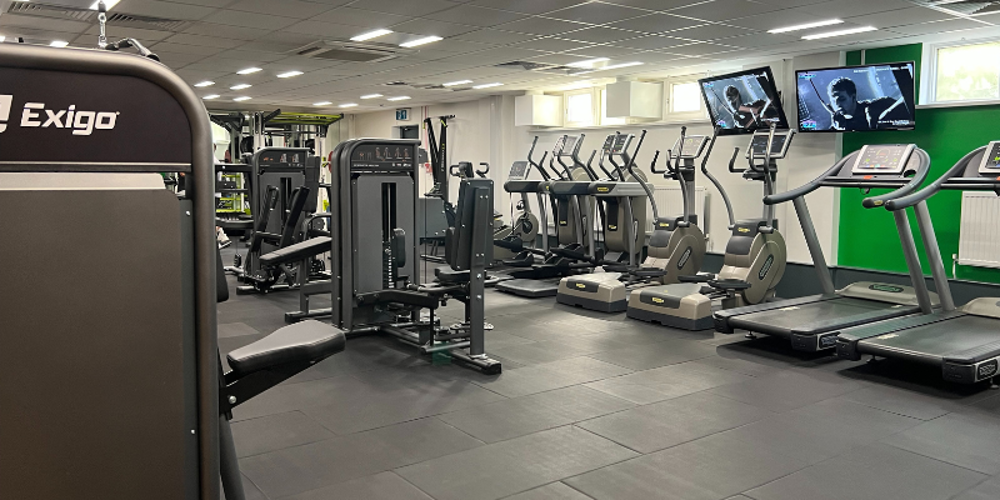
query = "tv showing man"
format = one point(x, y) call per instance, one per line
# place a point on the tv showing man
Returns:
point(743, 102)
point(856, 99)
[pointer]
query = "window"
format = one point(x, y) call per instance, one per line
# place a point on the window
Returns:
point(580, 108)
point(967, 72)
point(685, 97)
point(605, 119)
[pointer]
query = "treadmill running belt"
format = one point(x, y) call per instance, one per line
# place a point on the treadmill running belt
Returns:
point(818, 317)
point(957, 339)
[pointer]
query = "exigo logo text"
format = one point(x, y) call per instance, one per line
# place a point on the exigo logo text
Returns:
point(35, 115)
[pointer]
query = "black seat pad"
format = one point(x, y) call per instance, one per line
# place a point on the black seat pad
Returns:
point(306, 341)
point(405, 297)
point(450, 276)
point(297, 252)
point(234, 225)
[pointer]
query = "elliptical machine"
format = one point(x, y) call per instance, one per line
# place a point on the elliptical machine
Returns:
point(754, 261)
point(524, 228)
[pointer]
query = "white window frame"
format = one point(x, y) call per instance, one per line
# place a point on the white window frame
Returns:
point(929, 69)
point(595, 107)
point(669, 115)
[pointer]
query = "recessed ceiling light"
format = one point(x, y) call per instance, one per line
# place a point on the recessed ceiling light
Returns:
point(107, 4)
point(828, 34)
point(459, 82)
point(399, 98)
point(421, 41)
point(206, 83)
point(371, 34)
point(58, 43)
point(248, 71)
point(797, 27)
point(240, 86)
point(349, 105)
point(289, 74)
point(622, 65)
point(210, 97)
point(322, 103)
point(487, 85)
point(589, 63)
point(242, 98)
point(371, 96)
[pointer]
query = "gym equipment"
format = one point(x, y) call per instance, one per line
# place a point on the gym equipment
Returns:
point(569, 202)
point(517, 182)
point(524, 225)
point(624, 222)
point(125, 378)
point(755, 256)
point(811, 323)
point(964, 342)
point(374, 278)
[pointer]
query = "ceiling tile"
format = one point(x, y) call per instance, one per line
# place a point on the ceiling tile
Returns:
point(224, 31)
point(144, 36)
point(657, 23)
point(285, 8)
point(598, 35)
point(901, 17)
point(938, 27)
point(709, 32)
point(362, 18)
point(529, 6)
point(202, 50)
point(654, 5)
point(495, 37)
point(493, 56)
point(431, 27)
point(250, 20)
point(321, 30)
point(651, 42)
point(251, 56)
point(203, 41)
point(723, 10)
point(15, 21)
point(780, 19)
point(552, 45)
point(698, 49)
point(406, 8)
point(757, 40)
point(176, 60)
point(559, 59)
point(471, 14)
point(828, 10)
point(788, 4)
point(166, 10)
point(604, 51)
point(541, 26)
point(596, 13)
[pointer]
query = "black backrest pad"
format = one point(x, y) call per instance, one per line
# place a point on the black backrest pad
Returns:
point(289, 233)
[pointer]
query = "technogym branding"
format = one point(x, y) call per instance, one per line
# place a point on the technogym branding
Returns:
point(36, 115)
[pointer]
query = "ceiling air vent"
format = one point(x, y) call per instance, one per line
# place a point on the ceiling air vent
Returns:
point(51, 11)
point(961, 7)
point(123, 20)
point(352, 52)
point(554, 69)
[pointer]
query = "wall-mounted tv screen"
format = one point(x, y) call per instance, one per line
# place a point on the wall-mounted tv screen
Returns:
point(740, 103)
point(856, 98)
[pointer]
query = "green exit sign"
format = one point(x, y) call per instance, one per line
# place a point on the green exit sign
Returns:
point(403, 114)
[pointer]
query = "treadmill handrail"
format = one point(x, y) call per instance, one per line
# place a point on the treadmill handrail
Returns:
point(774, 199)
point(925, 193)
point(915, 182)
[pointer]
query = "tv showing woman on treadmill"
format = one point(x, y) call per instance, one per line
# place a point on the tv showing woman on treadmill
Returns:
point(856, 98)
point(740, 103)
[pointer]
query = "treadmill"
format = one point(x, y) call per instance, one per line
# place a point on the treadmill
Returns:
point(963, 342)
point(568, 195)
point(811, 323)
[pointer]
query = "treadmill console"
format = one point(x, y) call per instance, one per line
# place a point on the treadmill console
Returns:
point(571, 145)
point(692, 148)
point(991, 160)
point(609, 143)
point(883, 159)
point(621, 143)
point(779, 145)
point(518, 171)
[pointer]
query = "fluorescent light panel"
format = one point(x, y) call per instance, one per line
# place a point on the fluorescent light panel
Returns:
point(248, 71)
point(487, 85)
point(622, 65)
point(371, 96)
point(799, 27)
point(399, 98)
point(589, 63)
point(829, 34)
point(349, 105)
point(289, 74)
point(210, 97)
point(322, 103)
point(242, 98)
point(459, 82)
point(58, 43)
point(371, 34)
point(421, 41)
point(206, 83)
point(240, 86)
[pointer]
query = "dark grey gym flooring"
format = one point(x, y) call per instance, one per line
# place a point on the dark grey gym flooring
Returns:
point(598, 406)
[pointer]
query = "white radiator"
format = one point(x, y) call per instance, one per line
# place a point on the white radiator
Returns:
point(979, 233)
point(669, 203)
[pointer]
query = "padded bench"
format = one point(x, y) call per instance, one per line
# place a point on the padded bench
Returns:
point(297, 252)
point(308, 341)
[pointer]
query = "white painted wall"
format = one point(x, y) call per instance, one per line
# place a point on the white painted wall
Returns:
point(483, 130)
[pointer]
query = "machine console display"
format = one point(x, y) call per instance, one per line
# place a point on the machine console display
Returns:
point(383, 158)
point(571, 145)
point(621, 143)
point(991, 160)
point(779, 145)
point(692, 147)
point(559, 146)
point(884, 159)
point(282, 158)
point(518, 171)
point(609, 143)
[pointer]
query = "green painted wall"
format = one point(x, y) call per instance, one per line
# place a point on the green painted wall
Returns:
point(868, 237)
